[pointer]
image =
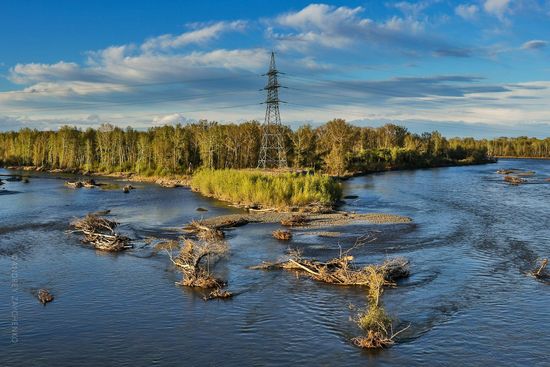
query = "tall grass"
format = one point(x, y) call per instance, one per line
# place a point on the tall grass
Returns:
point(267, 189)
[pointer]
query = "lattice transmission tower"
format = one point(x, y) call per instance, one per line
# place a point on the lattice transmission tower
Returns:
point(272, 152)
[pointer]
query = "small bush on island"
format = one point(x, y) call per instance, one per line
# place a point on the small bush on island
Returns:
point(267, 189)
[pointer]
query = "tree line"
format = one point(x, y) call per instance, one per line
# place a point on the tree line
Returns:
point(336, 147)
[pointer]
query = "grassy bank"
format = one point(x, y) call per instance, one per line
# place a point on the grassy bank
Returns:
point(275, 190)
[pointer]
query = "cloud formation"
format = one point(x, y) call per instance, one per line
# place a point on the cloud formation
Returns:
point(340, 62)
point(467, 11)
point(200, 35)
point(534, 45)
point(343, 27)
point(498, 8)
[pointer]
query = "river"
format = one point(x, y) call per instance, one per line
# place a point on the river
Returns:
point(469, 300)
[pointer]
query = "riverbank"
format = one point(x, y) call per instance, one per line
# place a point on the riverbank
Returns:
point(165, 181)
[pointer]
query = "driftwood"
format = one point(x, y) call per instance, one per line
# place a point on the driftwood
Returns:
point(506, 171)
point(541, 272)
point(195, 259)
point(282, 235)
point(100, 232)
point(213, 232)
point(79, 184)
point(377, 339)
point(217, 293)
point(513, 180)
point(374, 321)
point(74, 184)
point(44, 296)
point(204, 232)
point(341, 270)
point(127, 188)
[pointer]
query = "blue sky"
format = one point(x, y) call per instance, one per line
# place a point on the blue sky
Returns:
point(466, 68)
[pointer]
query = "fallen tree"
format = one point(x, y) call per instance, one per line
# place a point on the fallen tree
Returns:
point(100, 232)
point(341, 270)
point(374, 321)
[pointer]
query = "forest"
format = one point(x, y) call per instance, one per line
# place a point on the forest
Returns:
point(336, 147)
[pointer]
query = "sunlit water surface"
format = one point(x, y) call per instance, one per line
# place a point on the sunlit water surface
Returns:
point(469, 300)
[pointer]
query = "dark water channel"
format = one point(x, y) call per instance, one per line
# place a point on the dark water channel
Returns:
point(469, 300)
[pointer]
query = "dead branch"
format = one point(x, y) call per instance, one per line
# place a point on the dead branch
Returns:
point(540, 272)
point(100, 232)
point(195, 259)
point(341, 270)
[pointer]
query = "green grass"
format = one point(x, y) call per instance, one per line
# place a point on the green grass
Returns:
point(267, 189)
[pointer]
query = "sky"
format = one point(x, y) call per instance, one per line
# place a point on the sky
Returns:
point(465, 68)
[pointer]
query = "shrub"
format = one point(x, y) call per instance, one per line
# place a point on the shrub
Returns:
point(267, 188)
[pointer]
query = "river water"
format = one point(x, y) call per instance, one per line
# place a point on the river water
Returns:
point(469, 300)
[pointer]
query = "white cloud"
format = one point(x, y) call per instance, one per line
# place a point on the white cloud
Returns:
point(497, 8)
point(398, 24)
point(467, 11)
point(26, 73)
point(319, 16)
point(344, 28)
point(172, 119)
point(197, 36)
point(413, 9)
point(534, 45)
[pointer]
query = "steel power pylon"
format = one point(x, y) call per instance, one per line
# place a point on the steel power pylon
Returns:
point(272, 152)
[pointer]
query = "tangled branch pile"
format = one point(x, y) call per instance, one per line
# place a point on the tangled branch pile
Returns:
point(203, 232)
point(100, 232)
point(375, 322)
point(341, 270)
point(282, 235)
point(514, 180)
point(44, 296)
point(195, 259)
point(213, 232)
